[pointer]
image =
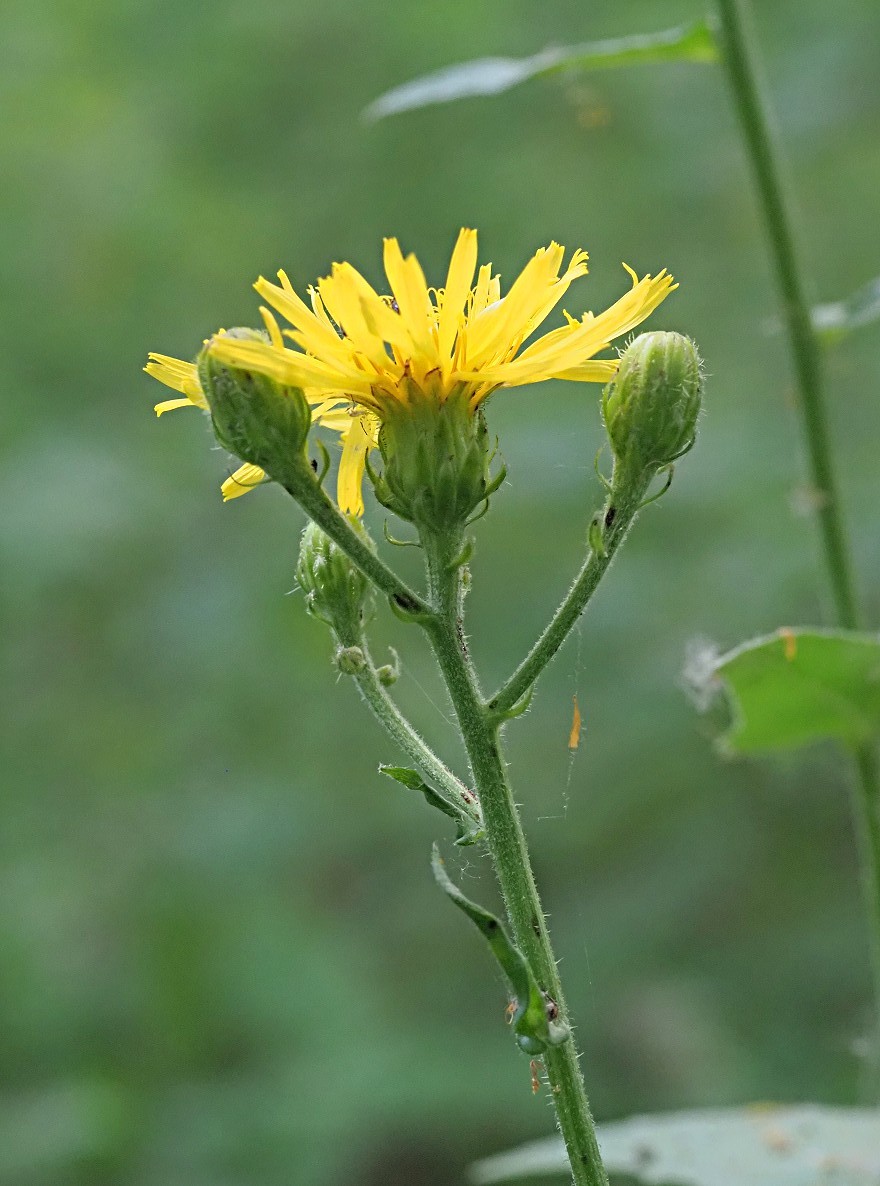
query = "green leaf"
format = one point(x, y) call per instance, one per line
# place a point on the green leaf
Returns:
point(469, 830)
point(492, 76)
point(531, 1022)
point(799, 686)
point(406, 777)
point(806, 1145)
point(836, 320)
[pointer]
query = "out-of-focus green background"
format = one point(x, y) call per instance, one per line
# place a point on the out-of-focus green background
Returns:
point(224, 962)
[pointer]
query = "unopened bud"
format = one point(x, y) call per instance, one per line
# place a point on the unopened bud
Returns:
point(336, 590)
point(255, 417)
point(650, 407)
point(350, 660)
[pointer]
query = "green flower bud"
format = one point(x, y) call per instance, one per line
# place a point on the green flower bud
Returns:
point(388, 674)
point(254, 417)
point(336, 591)
point(650, 407)
point(436, 459)
point(350, 660)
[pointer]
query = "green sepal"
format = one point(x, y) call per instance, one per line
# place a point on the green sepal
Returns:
point(531, 1020)
point(464, 556)
point(407, 614)
point(435, 454)
point(414, 781)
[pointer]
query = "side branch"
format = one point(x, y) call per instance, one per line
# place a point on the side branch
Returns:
point(415, 747)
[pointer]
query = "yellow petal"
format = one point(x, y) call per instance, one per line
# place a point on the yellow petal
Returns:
point(410, 290)
point(272, 327)
point(488, 290)
point(319, 337)
point(177, 374)
point(598, 370)
point(358, 310)
point(246, 478)
point(168, 405)
point(632, 308)
point(503, 325)
point(355, 443)
point(288, 367)
point(462, 265)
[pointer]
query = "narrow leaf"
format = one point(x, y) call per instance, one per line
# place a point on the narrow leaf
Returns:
point(836, 320)
point(405, 776)
point(492, 76)
point(531, 1021)
point(799, 686)
point(805, 1145)
point(470, 831)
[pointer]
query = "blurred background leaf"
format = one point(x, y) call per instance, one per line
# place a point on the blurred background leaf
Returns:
point(799, 686)
point(195, 837)
point(758, 1146)
point(837, 319)
point(492, 76)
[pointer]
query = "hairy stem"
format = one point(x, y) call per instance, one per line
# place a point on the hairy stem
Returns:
point(617, 518)
point(807, 362)
point(507, 846)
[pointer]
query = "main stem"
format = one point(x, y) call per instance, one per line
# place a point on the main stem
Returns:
point(806, 358)
point(507, 845)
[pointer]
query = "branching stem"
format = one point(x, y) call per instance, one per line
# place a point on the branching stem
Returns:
point(426, 762)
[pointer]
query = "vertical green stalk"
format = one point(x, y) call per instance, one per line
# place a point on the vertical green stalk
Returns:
point(805, 349)
point(806, 356)
point(507, 846)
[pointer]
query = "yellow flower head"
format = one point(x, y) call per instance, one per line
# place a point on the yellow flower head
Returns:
point(350, 347)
